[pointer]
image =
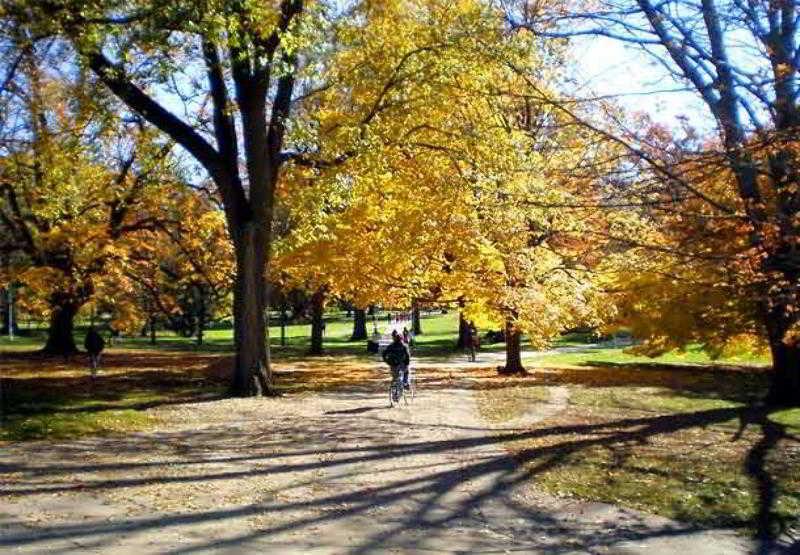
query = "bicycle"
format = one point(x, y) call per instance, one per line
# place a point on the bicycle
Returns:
point(398, 391)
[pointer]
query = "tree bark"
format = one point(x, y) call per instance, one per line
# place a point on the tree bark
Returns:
point(252, 374)
point(317, 321)
point(513, 351)
point(785, 381)
point(201, 314)
point(152, 330)
point(248, 208)
point(416, 323)
point(9, 313)
point(463, 332)
point(359, 325)
point(60, 340)
point(283, 326)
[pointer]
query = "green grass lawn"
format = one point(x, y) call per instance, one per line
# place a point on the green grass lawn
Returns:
point(676, 435)
point(588, 355)
point(69, 405)
point(53, 398)
point(685, 442)
point(438, 338)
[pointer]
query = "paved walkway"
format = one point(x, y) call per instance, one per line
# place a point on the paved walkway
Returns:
point(322, 473)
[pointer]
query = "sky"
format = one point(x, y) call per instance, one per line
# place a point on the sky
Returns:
point(607, 67)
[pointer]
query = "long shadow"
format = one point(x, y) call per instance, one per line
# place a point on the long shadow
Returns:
point(502, 473)
point(357, 410)
point(768, 524)
point(741, 384)
point(506, 473)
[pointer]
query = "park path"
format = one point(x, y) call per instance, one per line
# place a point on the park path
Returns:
point(335, 472)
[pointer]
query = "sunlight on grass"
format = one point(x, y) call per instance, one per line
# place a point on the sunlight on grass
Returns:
point(591, 355)
point(686, 469)
point(53, 398)
point(62, 425)
point(509, 403)
point(787, 417)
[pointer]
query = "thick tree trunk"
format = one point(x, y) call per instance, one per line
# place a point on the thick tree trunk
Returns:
point(317, 322)
point(60, 340)
point(283, 326)
point(359, 325)
point(152, 330)
point(416, 323)
point(252, 374)
point(513, 351)
point(463, 332)
point(201, 316)
point(785, 384)
point(9, 314)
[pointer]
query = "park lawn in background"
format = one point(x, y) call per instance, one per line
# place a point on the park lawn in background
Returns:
point(20, 343)
point(438, 338)
point(667, 440)
point(590, 355)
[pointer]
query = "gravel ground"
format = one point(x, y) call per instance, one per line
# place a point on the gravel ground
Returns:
point(335, 472)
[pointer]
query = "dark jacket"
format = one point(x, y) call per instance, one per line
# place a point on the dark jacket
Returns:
point(396, 350)
point(94, 343)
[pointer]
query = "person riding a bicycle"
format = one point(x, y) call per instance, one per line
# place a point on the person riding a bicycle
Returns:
point(396, 355)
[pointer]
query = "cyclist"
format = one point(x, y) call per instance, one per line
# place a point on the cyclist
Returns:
point(396, 355)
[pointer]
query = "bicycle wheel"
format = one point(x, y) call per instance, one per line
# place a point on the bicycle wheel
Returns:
point(395, 391)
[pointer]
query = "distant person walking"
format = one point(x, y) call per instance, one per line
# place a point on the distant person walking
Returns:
point(94, 345)
point(474, 341)
point(408, 339)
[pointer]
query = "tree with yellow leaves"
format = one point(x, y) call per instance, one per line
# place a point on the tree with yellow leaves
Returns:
point(68, 217)
point(451, 202)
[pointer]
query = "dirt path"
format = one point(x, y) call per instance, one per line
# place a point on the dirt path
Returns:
point(323, 473)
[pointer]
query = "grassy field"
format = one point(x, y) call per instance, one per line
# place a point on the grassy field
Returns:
point(438, 338)
point(598, 355)
point(679, 435)
point(685, 442)
point(54, 398)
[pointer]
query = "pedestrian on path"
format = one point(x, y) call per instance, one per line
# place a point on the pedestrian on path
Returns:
point(474, 342)
point(94, 345)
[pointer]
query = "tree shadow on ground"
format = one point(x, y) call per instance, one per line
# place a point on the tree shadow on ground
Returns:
point(191, 380)
point(426, 493)
point(742, 384)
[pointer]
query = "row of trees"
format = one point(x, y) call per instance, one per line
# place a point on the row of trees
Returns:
point(405, 153)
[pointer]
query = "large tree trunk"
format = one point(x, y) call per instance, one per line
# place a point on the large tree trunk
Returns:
point(201, 314)
point(359, 325)
point(152, 330)
point(785, 384)
point(60, 340)
point(416, 324)
point(252, 374)
point(463, 332)
point(9, 315)
point(317, 322)
point(513, 351)
point(283, 319)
